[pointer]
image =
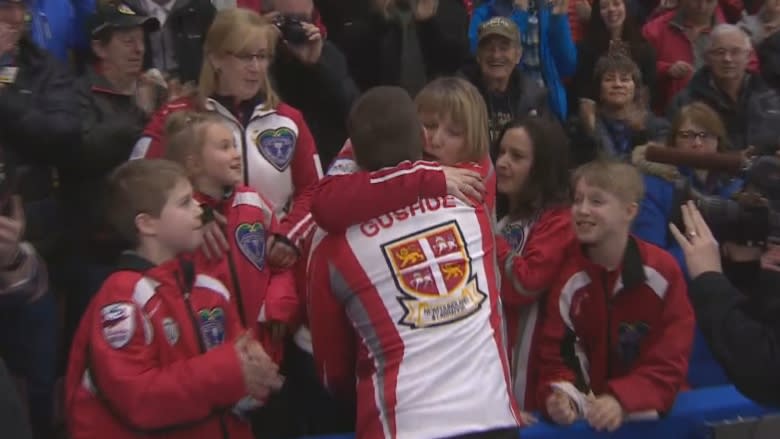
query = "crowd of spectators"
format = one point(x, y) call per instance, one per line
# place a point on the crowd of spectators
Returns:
point(543, 113)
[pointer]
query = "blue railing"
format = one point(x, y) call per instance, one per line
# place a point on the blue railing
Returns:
point(692, 411)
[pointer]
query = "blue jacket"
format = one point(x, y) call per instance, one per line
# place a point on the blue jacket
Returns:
point(58, 26)
point(652, 222)
point(557, 51)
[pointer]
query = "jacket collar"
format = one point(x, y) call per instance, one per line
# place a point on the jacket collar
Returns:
point(231, 109)
point(180, 270)
point(99, 83)
point(631, 270)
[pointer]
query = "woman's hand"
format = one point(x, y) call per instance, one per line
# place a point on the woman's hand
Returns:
point(464, 184)
point(701, 250)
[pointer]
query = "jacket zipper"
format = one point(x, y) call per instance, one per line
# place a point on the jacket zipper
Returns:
point(237, 289)
point(186, 293)
point(608, 306)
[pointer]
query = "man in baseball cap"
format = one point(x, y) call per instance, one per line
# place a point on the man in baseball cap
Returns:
point(500, 26)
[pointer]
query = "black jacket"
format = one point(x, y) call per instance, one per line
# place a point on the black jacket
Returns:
point(323, 92)
point(752, 120)
point(189, 22)
point(111, 123)
point(769, 58)
point(524, 95)
point(372, 44)
point(39, 125)
point(744, 335)
point(12, 415)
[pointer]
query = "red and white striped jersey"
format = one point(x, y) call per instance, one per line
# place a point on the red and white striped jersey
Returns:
point(405, 313)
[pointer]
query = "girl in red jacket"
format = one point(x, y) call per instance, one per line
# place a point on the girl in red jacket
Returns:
point(265, 296)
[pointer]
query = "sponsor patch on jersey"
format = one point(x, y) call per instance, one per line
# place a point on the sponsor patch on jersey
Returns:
point(171, 330)
point(251, 240)
point(343, 166)
point(212, 327)
point(432, 269)
point(118, 324)
point(630, 336)
point(277, 146)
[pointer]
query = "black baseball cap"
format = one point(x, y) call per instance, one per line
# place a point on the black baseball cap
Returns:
point(118, 15)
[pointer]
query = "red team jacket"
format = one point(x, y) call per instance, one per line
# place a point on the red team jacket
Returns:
point(627, 332)
point(278, 154)
point(346, 196)
point(408, 304)
point(154, 354)
point(262, 294)
point(530, 255)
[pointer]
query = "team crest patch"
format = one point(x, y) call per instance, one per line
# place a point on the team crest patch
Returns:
point(171, 330)
point(277, 146)
point(212, 327)
point(630, 336)
point(251, 240)
point(432, 269)
point(514, 234)
point(118, 324)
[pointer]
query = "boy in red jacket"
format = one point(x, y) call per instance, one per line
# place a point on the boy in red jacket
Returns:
point(618, 327)
point(265, 298)
point(160, 349)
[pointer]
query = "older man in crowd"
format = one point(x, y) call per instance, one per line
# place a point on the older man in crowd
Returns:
point(749, 108)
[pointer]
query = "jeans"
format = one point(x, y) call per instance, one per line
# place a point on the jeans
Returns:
point(28, 343)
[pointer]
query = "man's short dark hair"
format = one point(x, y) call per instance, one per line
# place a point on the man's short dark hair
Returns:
point(384, 128)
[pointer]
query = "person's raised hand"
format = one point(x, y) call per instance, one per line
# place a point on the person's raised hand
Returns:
point(701, 250)
point(425, 9)
point(770, 259)
point(310, 51)
point(605, 413)
point(680, 70)
point(214, 240)
point(561, 408)
point(583, 9)
point(464, 184)
point(11, 232)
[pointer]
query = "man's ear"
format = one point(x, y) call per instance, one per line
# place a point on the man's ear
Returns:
point(632, 209)
point(98, 49)
point(146, 224)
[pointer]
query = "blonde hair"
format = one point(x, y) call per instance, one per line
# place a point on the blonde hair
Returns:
point(459, 100)
point(617, 178)
point(185, 134)
point(231, 32)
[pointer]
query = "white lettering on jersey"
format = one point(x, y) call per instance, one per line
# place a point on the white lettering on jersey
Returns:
point(374, 226)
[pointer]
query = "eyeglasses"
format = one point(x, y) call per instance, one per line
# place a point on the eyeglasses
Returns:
point(733, 52)
point(690, 136)
point(247, 58)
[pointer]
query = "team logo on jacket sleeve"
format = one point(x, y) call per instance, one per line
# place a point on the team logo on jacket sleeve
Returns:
point(118, 324)
point(277, 146)
point(630, 336)
point(251, 240)
point(171, 329)
point(212, 327)
point(432, 269)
